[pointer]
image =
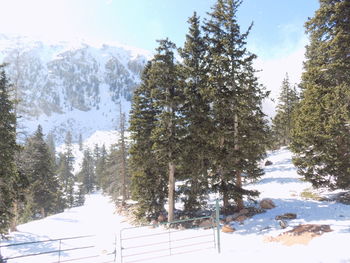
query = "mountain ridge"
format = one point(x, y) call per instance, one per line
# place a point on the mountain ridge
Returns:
point(76, 87)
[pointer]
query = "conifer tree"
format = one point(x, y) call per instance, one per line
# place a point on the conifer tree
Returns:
point(167, 95)
point(50, 140)
point(101, 164)
point(321, 134)
point(123, 156)
point(148, 174)
point(239, 126)
point(8, 147)
point(44, 190)
point(196, 112)
point(87, 174)
point(65, 171)
point(282, 122)
point(80, 142)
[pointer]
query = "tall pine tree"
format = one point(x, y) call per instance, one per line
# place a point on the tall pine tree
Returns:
point(148, 174)
point(321, 136)
point(87, 174)
point(195, 110)
point(167, 96)
point(44, 190)
point(282, 123)
point(65, 171)
point(239, 126)
point(8, 146)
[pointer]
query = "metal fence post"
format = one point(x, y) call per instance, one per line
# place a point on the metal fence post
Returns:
point(217, 212)
point(59, 251)
point(115, 247)
point(169, 241)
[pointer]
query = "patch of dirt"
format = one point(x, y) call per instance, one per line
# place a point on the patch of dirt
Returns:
point(301, 234)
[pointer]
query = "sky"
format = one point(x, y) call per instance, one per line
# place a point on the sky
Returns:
point(277, 37)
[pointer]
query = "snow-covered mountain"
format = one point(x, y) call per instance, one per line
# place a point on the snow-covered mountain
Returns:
point(71, 87)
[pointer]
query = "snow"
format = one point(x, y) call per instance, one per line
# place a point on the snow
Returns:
point(280, 183)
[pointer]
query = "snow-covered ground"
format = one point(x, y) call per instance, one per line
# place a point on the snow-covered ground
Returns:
point(247, 244)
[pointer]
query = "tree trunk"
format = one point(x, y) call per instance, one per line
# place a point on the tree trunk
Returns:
point(171, 194)
point(239, 199)
point(42, 211)
point(226, 202)
point(123, 155)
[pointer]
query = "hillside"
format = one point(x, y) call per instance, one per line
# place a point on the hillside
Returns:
point(74, 87)
point(250, 241)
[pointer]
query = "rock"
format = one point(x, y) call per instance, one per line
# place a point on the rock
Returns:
point(268, 162)
point(267, 204)
point(228, 229)
point(244, 211)
point(206, 224)
point(286, 216)
point(283, 224)
point(343, 198)
point(161, 218)
point(241, 218)
point(230, 218)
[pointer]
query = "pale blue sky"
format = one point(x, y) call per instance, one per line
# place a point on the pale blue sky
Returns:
point(139, 23)
point(277, 37)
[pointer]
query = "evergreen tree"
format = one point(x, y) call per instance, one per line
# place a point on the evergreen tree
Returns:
point(282, 122)
point(50, 140)
point(196, 112)
point(167, 95)
point(22, 210)
point(148, 174)
point(321, 135)
point(80, 142)
point(123, 156)
point(87, 173)
point(44, 190)
point(114, 182)
point(239, 127)
point(65, 171)
point(8, 146)
point(101, 164)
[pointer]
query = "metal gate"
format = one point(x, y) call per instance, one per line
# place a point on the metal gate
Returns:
point(55, 251)
point(145, 243)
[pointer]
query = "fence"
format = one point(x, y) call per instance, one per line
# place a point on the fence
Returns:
point(61, 250)
point(136, 243)
point(178, 237)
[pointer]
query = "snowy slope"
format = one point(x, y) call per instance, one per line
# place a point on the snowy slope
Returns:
point(281, 183)
point(76, 87)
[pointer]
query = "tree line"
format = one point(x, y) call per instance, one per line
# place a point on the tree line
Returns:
point(36, 181)
point(198, 120)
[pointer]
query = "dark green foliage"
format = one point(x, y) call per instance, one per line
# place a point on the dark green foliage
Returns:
point(167, 95)
point(109, 173)
point(240, 130)
point(148, 174)
point(50, 140)
point(87, 174)
point(43, 192)
point(65, 171)
point(321, 136)
point(80, 142)
point(8, 147)
point(283, 122)
point(199, 121)
point(196, 114)
point(100, 157)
